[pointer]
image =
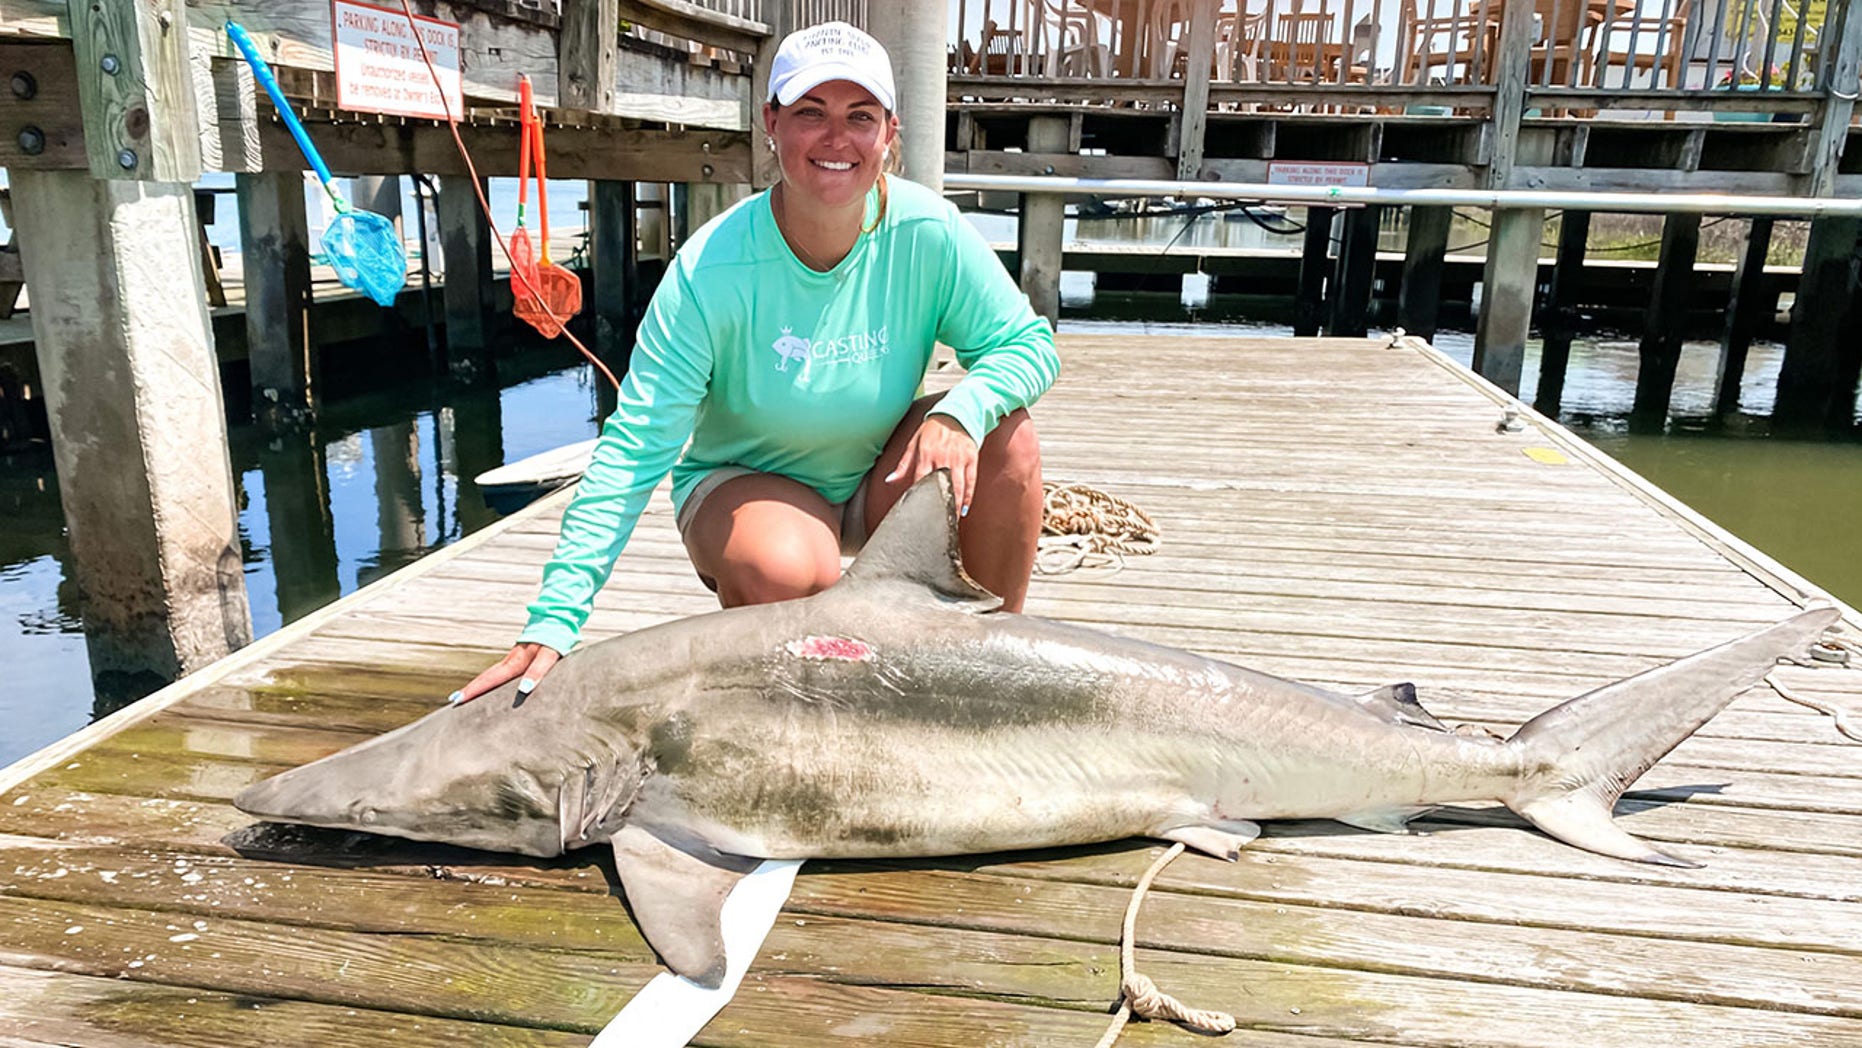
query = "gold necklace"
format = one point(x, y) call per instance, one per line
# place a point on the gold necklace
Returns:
point(803, 255)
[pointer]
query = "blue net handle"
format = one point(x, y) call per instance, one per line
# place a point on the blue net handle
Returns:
point(263, 73)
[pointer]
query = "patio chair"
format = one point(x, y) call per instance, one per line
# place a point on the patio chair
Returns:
point(1239, 37)
point(1639, 41)
point(1461, 42)
point(1075, 39)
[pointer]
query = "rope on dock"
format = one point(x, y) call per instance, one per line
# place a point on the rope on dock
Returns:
point(1138, 994)
point(1083, 527)
point(1838, 715)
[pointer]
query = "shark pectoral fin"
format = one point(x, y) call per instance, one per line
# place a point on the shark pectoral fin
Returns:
point(917, 545)
point(676, 897)
point(1223, 840)
point(1582, 818)
point(1386, 820)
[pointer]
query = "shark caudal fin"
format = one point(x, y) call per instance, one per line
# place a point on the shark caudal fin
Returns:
point(1578, 758)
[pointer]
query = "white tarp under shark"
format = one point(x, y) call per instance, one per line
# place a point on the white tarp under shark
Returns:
point(900, 713)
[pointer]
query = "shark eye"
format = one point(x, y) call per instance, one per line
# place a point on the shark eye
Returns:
point(368, 816)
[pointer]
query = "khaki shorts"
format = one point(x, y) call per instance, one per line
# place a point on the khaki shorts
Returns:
point(852, 512)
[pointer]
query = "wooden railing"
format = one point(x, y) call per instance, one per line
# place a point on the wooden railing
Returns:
point(1660, 55)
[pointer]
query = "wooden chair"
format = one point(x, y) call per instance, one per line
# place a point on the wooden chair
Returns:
point(1296, 46)
point(1000, 52)
point(1657, 43)
point(1461, 42)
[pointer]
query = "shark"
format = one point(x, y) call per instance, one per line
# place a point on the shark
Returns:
point(902, 713)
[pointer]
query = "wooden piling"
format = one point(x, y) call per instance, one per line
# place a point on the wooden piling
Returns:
point(1665, 322)
point(1558, 324)
point(1509, 284)
point(1817, 384)
point(614, 253)
point(1425, 253)
point(1043, 224)
point(132, 389)
point(1746, 307)
point(274, 243)
point(470, 291)
point(1315, 264)
point(1353, 277)
point(380, 194)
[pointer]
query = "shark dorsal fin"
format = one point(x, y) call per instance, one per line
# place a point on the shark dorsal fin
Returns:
point(917, 544)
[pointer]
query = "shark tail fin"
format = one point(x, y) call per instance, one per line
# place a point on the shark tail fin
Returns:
point(1577, 759)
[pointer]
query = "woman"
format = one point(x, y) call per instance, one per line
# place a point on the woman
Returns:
point(787, 342)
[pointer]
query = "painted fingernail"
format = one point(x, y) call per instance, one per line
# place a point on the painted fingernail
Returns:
point(964, 512)
point(453, 699)
point(526, 686)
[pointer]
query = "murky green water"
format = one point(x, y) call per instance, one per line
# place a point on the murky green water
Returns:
point(1800, 502)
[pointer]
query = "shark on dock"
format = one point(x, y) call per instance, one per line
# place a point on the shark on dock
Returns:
point(901, 713)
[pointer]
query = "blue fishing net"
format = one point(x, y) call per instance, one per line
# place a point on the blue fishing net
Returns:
point(366, 252)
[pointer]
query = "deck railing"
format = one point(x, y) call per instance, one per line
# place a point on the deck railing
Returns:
point(1657, 55)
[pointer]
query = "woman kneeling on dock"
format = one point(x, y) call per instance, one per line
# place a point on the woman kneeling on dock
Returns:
point(787, 342)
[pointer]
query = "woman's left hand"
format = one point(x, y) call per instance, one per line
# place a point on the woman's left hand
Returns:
point(940, 443)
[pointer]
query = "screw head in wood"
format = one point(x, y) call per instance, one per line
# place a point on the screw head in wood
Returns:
point(126, 159)
point(110, 65)
point(31, 141)
point(24, 86)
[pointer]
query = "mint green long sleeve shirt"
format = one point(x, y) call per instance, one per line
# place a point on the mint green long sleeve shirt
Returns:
point(747, 357)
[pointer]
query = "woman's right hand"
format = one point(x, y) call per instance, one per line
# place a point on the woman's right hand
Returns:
point(527, 663)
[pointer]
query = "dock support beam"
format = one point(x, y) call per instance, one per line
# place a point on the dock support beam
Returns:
point(1357, 263)
point(1419, 302)
point(616, 261)
point(1315, 263)
point(469, 291)
point(1043, 224)
point(132, 389)
point(1817, 384)
point(1666, 323)
point(1560, 321)
point(913, 33)
point(1509, 283)
point(1746, 306)
point(274, 244)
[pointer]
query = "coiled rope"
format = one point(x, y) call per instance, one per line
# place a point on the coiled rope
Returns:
point(1083, 527)
point(1138, 994)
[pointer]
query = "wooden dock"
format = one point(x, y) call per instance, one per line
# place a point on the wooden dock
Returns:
point(1345, 512)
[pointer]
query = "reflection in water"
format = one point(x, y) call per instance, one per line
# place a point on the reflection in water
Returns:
point(379, 481)
point(296, 490)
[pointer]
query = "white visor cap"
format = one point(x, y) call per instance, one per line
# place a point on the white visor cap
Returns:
point(811, 57)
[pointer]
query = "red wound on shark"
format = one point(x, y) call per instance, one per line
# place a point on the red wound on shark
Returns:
point(843, 649)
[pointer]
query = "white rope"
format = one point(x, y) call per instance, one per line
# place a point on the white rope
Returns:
point(1138, 994)
point(1838, 715)
point(1083, 527)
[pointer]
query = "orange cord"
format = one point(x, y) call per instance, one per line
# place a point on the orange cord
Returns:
point(485, 206)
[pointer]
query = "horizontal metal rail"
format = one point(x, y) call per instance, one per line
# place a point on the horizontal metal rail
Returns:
point(1346, 196)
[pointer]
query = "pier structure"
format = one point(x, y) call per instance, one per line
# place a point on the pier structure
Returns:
point(1344, 512)
point(1698, 96)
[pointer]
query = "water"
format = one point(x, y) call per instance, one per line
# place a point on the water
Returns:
point(382, 480)
point(395, 471)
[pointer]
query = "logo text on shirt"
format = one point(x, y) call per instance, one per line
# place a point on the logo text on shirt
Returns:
point(843, 349)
